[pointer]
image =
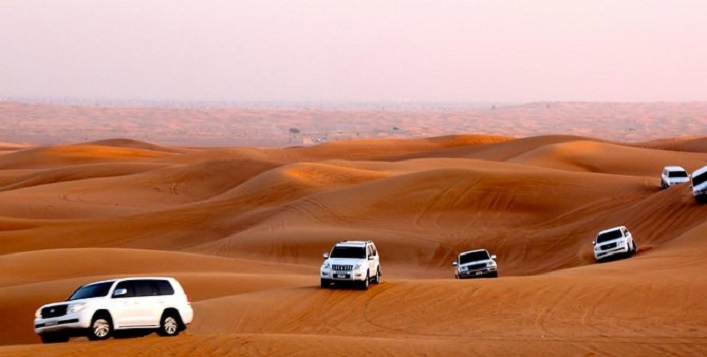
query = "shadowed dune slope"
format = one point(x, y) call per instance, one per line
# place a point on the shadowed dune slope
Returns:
point(244, 229)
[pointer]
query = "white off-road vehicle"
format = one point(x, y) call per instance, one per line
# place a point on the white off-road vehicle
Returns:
point(673, 175)
point(475, 264)
point(99, 309)
point(699, 184)
point(355, 262)
point(613, 241)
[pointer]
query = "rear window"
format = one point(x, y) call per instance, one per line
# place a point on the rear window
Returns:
point(610, 235)
point(677, 174)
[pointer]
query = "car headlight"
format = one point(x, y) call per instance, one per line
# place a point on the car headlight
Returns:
point(38, 313)
point(357, 267)
point(491, 264)
point(326, 266)
point(464, 268)
point(76, 307)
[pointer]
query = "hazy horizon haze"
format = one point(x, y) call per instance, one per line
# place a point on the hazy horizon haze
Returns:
point(317, 50)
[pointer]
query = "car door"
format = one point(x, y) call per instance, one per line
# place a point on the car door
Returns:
point(149, 308)
point(124, 304)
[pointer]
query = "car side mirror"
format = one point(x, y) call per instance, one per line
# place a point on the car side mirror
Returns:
point(493, 257)
point(594, 243)
point(120, 292)
point(325, 255)
point(454, 263)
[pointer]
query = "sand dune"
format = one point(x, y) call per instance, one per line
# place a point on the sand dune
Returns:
point(243, 228)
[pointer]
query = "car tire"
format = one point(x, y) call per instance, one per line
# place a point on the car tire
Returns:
point(101, 327)
point(325, 283)
point(493, 275)
point(54, 337)
point(365, 282)
point(170, 324)
point(377, 278)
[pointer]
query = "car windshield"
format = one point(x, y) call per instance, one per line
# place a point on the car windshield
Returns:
point(473, 256)
point(348, 252)
point(697, 180)
point(91, 291)
point(610, 235)
point(677, 174)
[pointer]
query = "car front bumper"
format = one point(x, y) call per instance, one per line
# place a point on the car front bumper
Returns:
point(478, 273)
point(71, 321)
point(343, 275)
point(605, 253)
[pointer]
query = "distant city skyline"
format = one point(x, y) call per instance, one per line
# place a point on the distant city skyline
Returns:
point(366, 51)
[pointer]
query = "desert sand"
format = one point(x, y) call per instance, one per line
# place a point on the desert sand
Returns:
point(243, 228)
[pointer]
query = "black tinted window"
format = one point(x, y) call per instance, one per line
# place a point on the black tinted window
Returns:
point(677, 174)
point(474, 256)
point(610, 235)
point(164, 287)
point(145, 288)
point(349, 252)
point(699, 179)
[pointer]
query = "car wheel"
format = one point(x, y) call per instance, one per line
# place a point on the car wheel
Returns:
point(169, 325)
point(663, 185)
point(365, 282)
point(54, 337)
point(377, 278)
point(101, 327)
point(324, 283)
point(494, 275)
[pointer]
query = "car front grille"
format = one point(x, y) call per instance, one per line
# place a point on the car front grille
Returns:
point(476, 266)
point(609, 246)
point(54, 311)
point(337, 267)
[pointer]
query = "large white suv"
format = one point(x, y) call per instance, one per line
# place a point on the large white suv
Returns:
point(98, 309)
point(614, 241)
point(673, 175)
point(355, 262)
point(475, 264)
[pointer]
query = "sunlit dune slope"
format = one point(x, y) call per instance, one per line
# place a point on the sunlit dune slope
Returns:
point(244, 230)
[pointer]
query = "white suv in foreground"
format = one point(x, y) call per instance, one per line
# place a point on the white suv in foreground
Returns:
point(475, 264)
point(673, 175)
point(613, 241)
point(351, 261)
point(98, 309)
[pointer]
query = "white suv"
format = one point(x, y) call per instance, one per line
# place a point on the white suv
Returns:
point(98, 309)
point(673, 175)
point(613, 241)
point(351, 261)
point(475, 264)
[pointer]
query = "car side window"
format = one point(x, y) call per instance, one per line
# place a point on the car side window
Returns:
point(128, 285)
point(164, 287)
point(145, 288)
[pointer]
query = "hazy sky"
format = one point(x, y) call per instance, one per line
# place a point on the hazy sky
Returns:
point(359, 50)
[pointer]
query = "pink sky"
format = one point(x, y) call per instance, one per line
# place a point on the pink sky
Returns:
point(362, 50)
